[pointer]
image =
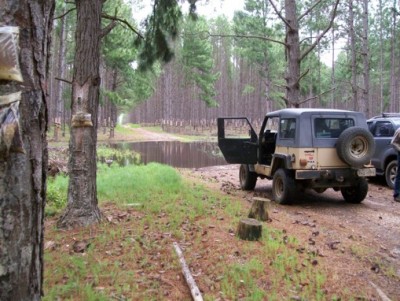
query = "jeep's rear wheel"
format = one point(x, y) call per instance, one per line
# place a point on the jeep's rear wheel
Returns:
point(390, 173)
point(247, 178)
point(355, 146)
point(283, 187)
point(357, 193)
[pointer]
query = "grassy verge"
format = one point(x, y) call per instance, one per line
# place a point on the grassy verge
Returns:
point(130, 254)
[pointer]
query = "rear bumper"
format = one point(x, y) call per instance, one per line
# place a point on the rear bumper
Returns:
point(336, 175)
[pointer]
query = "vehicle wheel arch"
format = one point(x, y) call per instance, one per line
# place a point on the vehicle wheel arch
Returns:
point(280, 161)
point(389, 159)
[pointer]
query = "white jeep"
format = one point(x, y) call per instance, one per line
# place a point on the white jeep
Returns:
point(300, 149)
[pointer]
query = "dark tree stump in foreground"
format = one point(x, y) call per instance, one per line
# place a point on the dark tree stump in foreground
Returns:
point(259, 209)
point(249, 229)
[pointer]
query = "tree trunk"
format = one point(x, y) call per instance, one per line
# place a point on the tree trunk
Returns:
point(365, 105)
point(82, 208)
point(333, 83)
point(61, 74)
point(393, 47)
point(23, 174)
point(293, 55)
point(352, 37)
point(380, 56)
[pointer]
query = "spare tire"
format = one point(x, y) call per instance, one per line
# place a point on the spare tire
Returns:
point(355, 146)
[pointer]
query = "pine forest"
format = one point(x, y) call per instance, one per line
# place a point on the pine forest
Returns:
point(347, 58)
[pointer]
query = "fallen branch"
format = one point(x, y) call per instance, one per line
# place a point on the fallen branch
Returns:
point(194, 290)
point(380, 292)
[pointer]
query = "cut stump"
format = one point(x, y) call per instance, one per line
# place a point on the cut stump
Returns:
point(249, 229)
point(259, 209)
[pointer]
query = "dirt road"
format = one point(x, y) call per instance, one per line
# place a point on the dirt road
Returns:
point(357, 242)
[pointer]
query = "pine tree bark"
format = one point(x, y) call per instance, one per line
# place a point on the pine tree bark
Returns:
point(365, 105)
point(61, 74)
point(393, 47)
point(352, 37)
point(82, 208)
point(381, 57)
point(293, 55)
point(23, 175)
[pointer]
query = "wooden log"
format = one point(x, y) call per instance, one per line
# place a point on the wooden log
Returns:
point(194, 290)
point(249, 229)
point(259, 209)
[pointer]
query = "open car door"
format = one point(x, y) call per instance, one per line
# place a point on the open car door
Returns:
point(237, 140)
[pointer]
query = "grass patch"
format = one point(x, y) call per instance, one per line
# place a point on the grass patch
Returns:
point(133, 125)
point(148, 207)
point(56, 194)
point(155, 129)
point(132, 184)
point(105, 153)
point(125, 129)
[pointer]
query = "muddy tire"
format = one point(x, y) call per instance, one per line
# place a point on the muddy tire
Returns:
point(247, 178)
point(355, 194)
point(390, 173)
point(283, 187)
point(355, 146)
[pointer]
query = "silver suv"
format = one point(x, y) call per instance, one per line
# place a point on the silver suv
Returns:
point(385, 157)
point(301, 149)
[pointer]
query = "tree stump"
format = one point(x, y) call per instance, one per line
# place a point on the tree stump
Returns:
point(249, 229)
point(259, 209)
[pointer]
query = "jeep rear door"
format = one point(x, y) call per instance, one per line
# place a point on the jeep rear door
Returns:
point(237, 140)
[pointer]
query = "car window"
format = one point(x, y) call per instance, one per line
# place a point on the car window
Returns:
point(272, 124)
point(383, 129)
point(370, 126)
point(287, 129)
point(396, 122)
point(331, 127)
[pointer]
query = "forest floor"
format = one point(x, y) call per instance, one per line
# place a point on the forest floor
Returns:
point(357, 246)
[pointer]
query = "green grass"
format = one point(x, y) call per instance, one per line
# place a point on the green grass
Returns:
point(119, 155)
point(138, 184)
point(130, 125)
point(125, 254)
point(145, 184)
point(56, 194)
point(126, 129)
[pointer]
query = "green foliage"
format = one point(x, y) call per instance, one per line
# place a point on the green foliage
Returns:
point(259, 51)
point(224, 45)
point(248, 89)
point(161, 27)
point(118, 155)
point(130, 86)
point(56, 195)
point(118, 45)
point(197, 59)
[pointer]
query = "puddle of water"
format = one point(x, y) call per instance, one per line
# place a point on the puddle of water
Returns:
point(176, 154)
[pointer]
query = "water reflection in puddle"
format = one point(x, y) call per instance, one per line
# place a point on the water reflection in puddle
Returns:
point(176, 154)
